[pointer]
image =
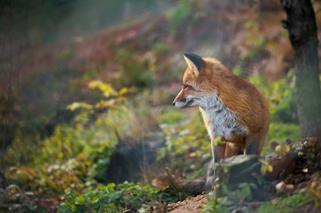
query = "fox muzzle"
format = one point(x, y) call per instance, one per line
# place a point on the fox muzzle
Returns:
point(182, 103)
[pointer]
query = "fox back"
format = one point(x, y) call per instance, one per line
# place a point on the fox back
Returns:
point(232, 108)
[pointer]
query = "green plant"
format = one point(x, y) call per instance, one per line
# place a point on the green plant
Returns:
point(242, 193)
point(217, 205)
point(226, 199)
point(114, 198)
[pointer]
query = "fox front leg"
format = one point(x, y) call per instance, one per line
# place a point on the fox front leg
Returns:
point(218, 149)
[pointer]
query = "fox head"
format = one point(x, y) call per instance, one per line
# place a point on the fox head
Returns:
point(200, 81)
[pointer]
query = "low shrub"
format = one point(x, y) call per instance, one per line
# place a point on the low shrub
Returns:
point(113, 198)
point(75, 154)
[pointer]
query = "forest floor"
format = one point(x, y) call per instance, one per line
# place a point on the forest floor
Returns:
point(190, 205)
point(147, 53)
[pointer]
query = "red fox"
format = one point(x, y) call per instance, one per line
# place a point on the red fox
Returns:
point(232, 108)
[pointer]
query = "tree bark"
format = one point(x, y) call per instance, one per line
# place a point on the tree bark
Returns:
point(302, 28)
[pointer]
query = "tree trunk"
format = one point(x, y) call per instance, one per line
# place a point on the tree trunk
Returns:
point(302, 28)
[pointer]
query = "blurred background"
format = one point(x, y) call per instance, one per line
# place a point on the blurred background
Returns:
point(86, 89)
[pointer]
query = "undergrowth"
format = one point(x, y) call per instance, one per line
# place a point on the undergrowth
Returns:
point(114, 198)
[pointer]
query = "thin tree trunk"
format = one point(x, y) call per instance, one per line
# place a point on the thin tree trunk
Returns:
point(302, 28)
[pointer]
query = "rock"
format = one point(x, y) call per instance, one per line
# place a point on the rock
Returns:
point(130, 159)
point(240, 168)
point(194, 187)
point(280, 186)
point(283, 187)
point(238, 173)
point(235, 170)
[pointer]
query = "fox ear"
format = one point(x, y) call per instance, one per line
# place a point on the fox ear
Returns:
point(194, 62)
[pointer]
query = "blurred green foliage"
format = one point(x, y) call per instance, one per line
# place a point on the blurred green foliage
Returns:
point(178, 15)
point(253, 39)
point(161, 48)
point(237, 70)
point(287, 204)
point(13, 199)
point(133, 71)
point(280, 95)
point(186, 142)
point(282, 132)
point(75, 154)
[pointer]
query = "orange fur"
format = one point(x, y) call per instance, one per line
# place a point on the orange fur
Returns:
point(237, 95)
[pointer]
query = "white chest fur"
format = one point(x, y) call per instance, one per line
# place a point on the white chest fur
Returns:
point(219, 120)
